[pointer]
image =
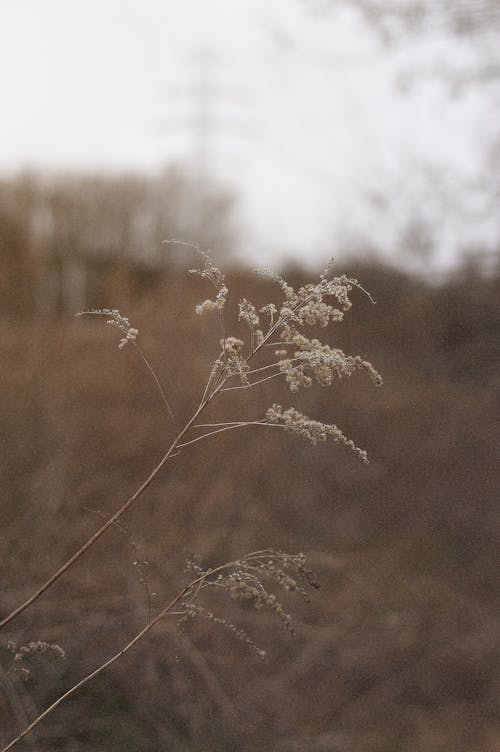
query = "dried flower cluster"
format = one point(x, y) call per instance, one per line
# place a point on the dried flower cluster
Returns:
point(234, 362)
point(191, 610)
point(289, 570)
point(322, 363)
point(245, 587)
point(312, 430)
point(23, 652)
point(248, 313)
point(245, 582)
point(301, 359)
point(214, 275)
point(117, 320)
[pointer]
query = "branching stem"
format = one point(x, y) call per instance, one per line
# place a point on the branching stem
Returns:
point(142, 633)
point(111, 520)
point(253, 383)
point(229, 428)
point(172, 450)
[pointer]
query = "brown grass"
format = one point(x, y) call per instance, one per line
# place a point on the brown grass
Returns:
point(400, 651)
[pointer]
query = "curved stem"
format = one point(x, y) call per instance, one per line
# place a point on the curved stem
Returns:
point(229, 428)
point(111, 520)
point(271, 365)
point(206, 399)
point(155, 379)
point(213, 372)
point(94, 673)
point(142, 633)
point(253, 383)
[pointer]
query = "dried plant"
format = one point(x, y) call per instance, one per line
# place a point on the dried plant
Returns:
point(22, 654)
point(276, 347)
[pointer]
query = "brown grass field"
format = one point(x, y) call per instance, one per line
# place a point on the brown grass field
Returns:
point(397, 652)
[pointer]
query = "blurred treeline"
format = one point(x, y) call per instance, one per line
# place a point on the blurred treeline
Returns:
point(71, 239)
point(398, 651)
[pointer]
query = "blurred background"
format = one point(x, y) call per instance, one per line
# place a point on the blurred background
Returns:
point(278, 135)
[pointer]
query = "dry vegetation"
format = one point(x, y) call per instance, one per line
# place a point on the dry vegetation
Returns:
point(397, 652)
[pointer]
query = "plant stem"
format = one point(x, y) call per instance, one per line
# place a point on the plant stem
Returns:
point(220, 381)
point(229, 428)
point(253, 383)
point(155, 379)
point(142, 633)
point(111, 520)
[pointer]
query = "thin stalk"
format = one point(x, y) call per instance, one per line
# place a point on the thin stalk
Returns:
point(278, 344)
point(216, 425)
point(265, 368)
point(222, 331)
point(219, 382)
point(221, 379)
point(253, 383)
point(229, 428)
point(155, 379)
point(142, 577)
point(93, 674)
point(139, 350)
point(258, 370)
point(127, 504)
point(110, 521)
point(211, 376)
point(84, 681)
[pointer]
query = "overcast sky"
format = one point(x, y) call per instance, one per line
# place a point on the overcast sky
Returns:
point(331, 138)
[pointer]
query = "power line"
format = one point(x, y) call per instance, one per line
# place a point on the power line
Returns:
point(199, 108)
